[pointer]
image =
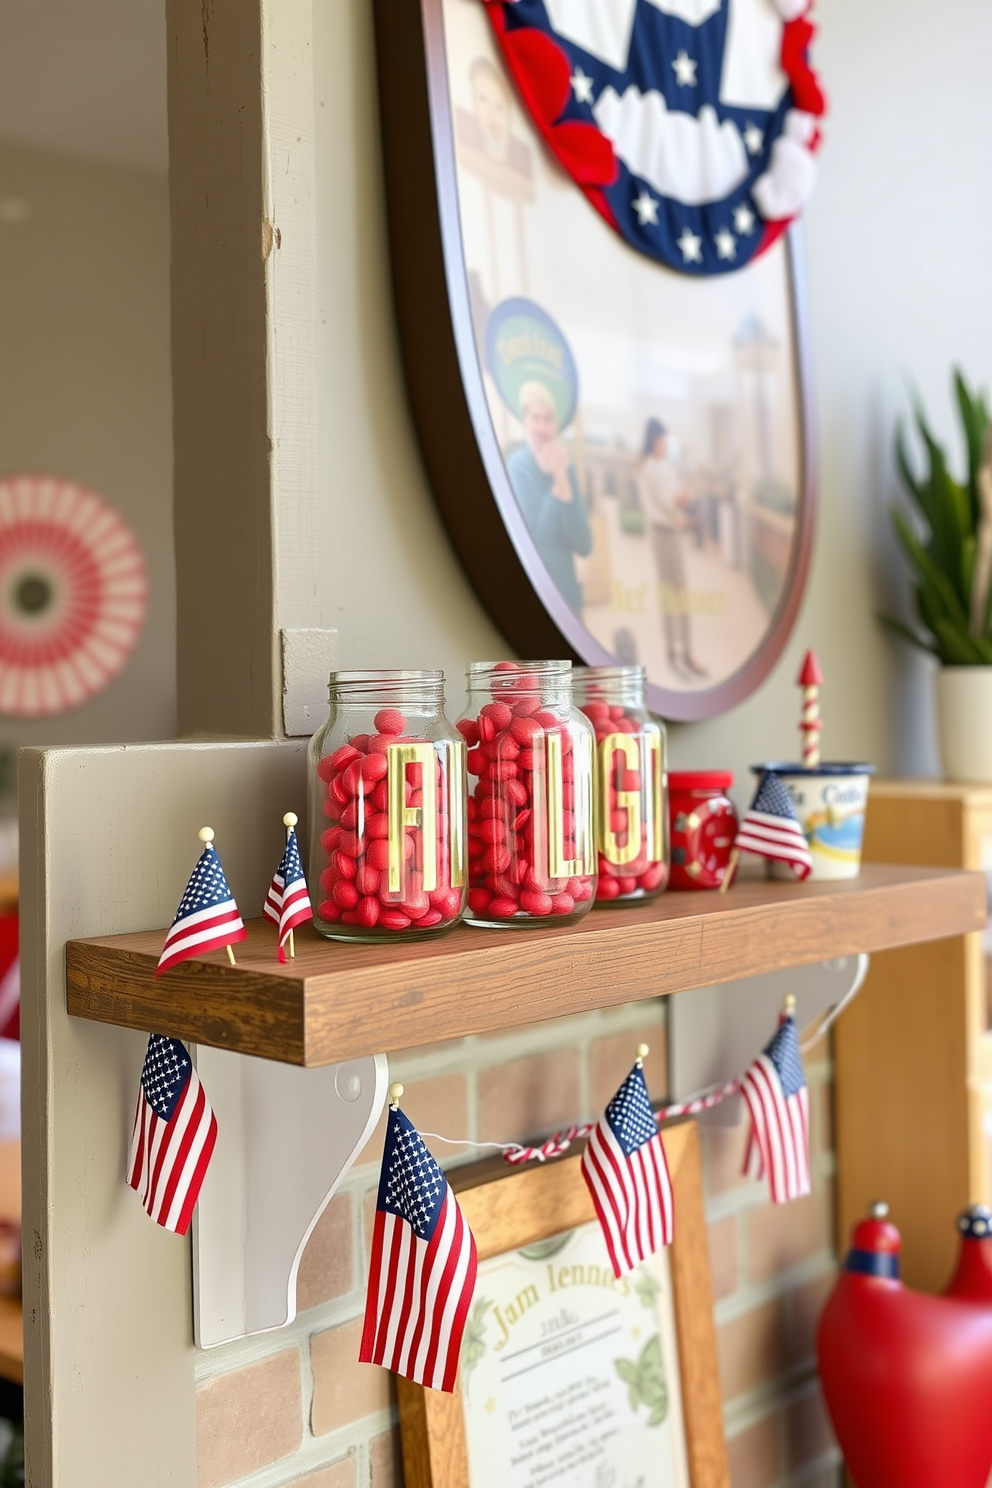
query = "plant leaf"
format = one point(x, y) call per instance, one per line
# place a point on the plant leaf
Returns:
point(898, 628)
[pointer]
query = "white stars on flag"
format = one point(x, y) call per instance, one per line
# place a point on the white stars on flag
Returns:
point(581, 86)
point(692, 246)
point(646, 207)
point(754, 139)
point(743, 220)
point(685, 70)
point(726, 244)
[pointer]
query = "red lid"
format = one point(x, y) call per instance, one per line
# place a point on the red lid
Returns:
point(713, 780)
point(877, 1234)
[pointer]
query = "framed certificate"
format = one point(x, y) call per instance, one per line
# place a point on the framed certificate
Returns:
point(570, 1378)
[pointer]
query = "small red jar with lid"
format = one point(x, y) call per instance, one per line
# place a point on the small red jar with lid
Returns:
point(703, 827)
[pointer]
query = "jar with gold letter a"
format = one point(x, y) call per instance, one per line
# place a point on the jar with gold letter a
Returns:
point(387, 809)
point(631, 783)
point(531, 845)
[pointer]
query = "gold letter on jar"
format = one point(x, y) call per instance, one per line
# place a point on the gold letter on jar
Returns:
point(627, 800)
point(456, 811)
point(655, 845)
point(558, 865)
point(401, 816)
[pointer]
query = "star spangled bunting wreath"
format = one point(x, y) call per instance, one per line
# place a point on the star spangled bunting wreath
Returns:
point(207, 917)
point(778, 1101)
point(287, 904)
point(770, 828)
point(690, 125)
point(422, 1272)
point(625, 1168)
point(174, 1134)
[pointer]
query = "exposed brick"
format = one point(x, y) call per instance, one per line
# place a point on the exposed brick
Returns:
point(752, 1348)
point(723, 1158)
point(611, 1057)
point(808, 1432)
point(386, 1460)
point(724, 1265)
point(340, 1474)
point(529, 1096)
point(754, 1455)
point(326, 1269)
point(248, 1418)
point(343, 1390)
point(439, 1105)
point(805, 1306)
point(780, 1235)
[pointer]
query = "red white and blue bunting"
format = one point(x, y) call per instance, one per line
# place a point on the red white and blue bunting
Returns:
point(691, 125)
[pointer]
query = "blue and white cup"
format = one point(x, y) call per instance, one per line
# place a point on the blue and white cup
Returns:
point(830, 802)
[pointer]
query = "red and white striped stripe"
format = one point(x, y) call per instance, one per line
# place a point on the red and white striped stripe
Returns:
point(419, 1295)
point(207, 930)
point(632, 1196)
point(779, 1141)
point(775, 837)
point(169, 1159)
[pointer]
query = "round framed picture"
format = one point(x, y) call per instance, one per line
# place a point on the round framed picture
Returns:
point(622, 452)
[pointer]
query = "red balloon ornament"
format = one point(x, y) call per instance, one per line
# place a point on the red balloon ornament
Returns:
point(908, 1377)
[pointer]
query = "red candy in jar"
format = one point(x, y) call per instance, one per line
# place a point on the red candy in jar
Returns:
point(630, 783)
point(704, 826)
point(387, 809)
point(531, 843)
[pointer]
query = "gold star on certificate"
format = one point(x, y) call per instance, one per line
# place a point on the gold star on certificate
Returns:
point(692, 246)
point(490, 1405)
point(646, 208)
point(726, 244)
point(743, 219)
point(685, 70)
point(754, 139)
point(581, 86)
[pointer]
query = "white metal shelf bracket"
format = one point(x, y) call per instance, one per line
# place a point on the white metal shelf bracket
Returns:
point(285, 1139)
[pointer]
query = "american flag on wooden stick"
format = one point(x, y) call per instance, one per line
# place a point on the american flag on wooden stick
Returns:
point(778, 1101)
point(207, 917)
point(770, 828)
point(625, 1167)
point(174, 1134)
point(422, 1273)
point(287, 904)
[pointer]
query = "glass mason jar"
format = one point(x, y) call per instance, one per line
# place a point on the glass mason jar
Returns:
point(631, 783)
point(387, 809)
point(531, 845)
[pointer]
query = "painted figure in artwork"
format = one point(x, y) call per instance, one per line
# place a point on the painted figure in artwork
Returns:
point(547, 492)
point(663, 500)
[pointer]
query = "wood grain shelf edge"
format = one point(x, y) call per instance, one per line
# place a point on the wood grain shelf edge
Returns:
point(339, 1001)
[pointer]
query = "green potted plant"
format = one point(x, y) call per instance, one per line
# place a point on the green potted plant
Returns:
point(948, 542)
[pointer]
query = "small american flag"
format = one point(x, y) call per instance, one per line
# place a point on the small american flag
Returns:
point(287, 904)
point(624, 1165)
point(778, 1100)
point(771, 830)
point(174, 1135)
point(207, 916)
point(422, 1273)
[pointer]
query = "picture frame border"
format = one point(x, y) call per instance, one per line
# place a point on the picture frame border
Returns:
point(444, 381)
point(509, 1208)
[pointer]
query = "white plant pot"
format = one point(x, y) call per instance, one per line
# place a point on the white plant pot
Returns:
point(964, 721)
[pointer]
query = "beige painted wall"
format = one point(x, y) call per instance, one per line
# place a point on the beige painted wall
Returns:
point(85, 391)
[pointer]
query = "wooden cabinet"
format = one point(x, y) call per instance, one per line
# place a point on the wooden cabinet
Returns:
point(913, 1054)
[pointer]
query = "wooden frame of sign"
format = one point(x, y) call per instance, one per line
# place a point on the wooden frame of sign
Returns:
point(510, 1208)
point(440, 320)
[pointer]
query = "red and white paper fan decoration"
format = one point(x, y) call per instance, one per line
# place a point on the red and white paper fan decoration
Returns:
point(73, 595)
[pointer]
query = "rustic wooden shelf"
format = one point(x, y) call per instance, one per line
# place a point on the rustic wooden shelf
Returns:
point(339, 1001)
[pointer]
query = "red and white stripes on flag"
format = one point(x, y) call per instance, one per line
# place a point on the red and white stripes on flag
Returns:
point(174, 1134)
point(207, 917)
point(778, 1102)
point(423, 1267)
point(287, 904)
point(626, 1171)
